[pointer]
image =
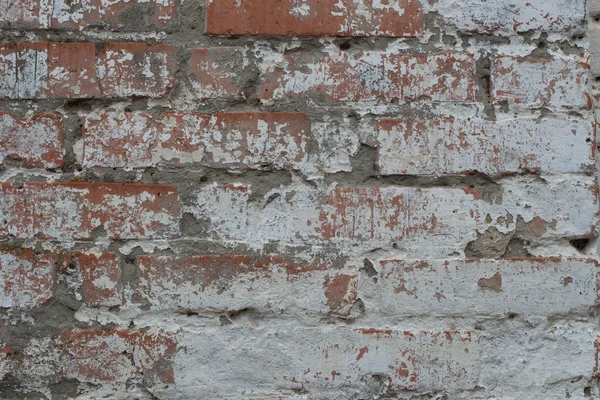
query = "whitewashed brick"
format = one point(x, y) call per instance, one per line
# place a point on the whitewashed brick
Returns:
point(508, 16)
point(482, 287)
point(446, 217)
point(540, 82)
point(333, 361)
point(235, 282)
point(505, 146)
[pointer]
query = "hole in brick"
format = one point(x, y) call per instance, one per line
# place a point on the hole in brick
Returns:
point(587, 391)
point(588, 140)
point(369, 269)
point(345, 46)
point(580, 244)
point(237, 313)
point(511, 315)
point(273, 197)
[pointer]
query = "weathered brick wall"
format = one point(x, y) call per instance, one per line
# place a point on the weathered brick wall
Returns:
point(298, 199)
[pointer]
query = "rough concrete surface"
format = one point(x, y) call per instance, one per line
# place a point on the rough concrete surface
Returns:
point(299, 199)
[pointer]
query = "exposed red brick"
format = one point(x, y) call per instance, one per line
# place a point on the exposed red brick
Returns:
point(96, 356)
point(341, 290)
point(374, 214)
point(136, 69)
point(100, 277)
point(72, 71)
point(314, 18)
point(347, 76)
point(68, 70)
point(46, 70)
point(78, 15)
point(222, 140)
point(75, 210)
point(215, 72)
point(540, 82)
point(26, 279)
point(36, 141)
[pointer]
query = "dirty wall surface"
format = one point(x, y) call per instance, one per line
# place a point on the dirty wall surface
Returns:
point(298, 199)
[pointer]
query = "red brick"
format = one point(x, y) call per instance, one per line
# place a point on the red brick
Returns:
point(347, 76)
point(505, 146)
point(375, 214)
point(222, 140)
point(72, 71)
point(96, 356)
point(74, 210)
point(540, 82)
point(36, 141)
point(26, 279)
point(136, 69)
point(46, 70)
point(315, 18)
point(215, 72)
point(78, 15)
point(68, 70)
point(235, 282)
point(100, 273)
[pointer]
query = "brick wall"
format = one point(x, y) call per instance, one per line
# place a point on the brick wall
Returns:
point(299, 199)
